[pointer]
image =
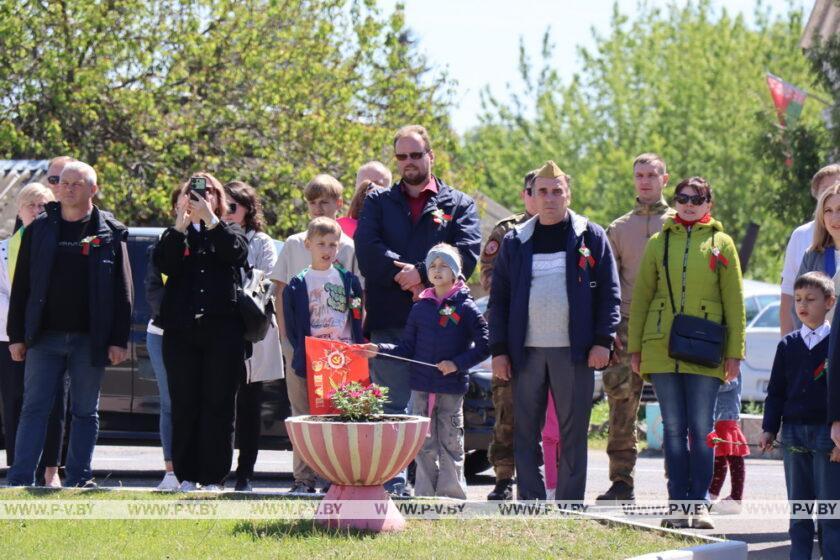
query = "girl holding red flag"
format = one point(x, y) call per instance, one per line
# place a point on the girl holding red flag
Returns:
point(445, 330)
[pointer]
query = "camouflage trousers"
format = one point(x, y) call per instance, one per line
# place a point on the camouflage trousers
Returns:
point(501, 446)
point(624, 391)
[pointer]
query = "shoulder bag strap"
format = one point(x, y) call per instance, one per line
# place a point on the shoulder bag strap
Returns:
point(667, 272)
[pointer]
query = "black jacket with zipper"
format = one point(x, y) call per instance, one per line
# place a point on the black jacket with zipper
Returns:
point(110, 286)
point(203, 272)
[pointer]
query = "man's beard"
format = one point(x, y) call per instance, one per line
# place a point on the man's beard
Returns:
point(417, 180)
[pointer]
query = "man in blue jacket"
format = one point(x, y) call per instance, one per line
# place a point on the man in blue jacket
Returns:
point(555, 310)
point(397, 227)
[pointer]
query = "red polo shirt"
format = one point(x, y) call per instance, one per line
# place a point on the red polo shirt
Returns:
point(416, 204)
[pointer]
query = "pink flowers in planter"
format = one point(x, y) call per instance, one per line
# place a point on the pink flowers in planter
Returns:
point(358, 403)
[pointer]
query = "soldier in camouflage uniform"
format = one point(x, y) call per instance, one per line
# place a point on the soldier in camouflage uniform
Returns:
point(628, 236)
point(501, 446)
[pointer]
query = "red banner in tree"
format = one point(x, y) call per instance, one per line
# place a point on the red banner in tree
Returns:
point(329, 365)
point(788, 99)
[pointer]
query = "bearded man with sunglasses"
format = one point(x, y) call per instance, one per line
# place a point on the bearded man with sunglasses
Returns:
point(396, 229)
point(628, 236)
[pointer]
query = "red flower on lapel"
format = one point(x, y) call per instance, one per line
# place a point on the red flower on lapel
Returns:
point(439, 217)
point(586, 257)
point(356, 306)
point(447, 313)
point(87, 242)
point(716, 259)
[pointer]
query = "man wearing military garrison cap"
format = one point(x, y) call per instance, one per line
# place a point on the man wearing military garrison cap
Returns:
point(501, 446)
point(555, 308)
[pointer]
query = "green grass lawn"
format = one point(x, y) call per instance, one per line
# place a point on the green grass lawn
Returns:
point(477, 538)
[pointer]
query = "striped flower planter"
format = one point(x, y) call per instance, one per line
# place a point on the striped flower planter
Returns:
point(357, 458)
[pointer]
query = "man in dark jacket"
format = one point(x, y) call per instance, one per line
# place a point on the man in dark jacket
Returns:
point(553, 319)
point(70, 308)
point(396, 229)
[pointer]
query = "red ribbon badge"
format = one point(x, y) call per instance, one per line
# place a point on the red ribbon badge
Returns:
point(717, 258)
point(356, 306)
point(88, 241)
point(447, 313)
point(586, 257)
point(820, 371)
point(440, 218)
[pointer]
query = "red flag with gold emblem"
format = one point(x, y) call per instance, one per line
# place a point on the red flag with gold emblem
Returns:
point(329, 365)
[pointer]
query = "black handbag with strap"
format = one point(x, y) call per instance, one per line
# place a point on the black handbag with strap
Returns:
point(693, 339)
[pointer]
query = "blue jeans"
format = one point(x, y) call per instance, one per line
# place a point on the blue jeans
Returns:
point(687, 403)
point(809, 476)
point(46, 361)
point(393, 374)
point(154, 344)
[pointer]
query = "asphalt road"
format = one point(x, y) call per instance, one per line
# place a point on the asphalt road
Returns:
point(140, 467)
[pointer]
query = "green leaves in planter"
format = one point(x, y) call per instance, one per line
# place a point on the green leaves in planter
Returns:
point(357, 403)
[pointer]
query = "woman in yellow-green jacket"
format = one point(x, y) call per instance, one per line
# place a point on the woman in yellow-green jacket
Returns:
point(706, 282)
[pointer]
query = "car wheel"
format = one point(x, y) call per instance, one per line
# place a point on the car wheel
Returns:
point(476, 462)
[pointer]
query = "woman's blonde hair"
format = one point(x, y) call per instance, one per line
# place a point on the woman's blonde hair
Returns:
point(822, 238)
point(33, 191)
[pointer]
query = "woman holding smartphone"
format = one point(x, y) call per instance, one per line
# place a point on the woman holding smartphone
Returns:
point(203, 344)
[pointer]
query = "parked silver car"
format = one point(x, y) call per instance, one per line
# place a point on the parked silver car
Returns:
point(763, 335)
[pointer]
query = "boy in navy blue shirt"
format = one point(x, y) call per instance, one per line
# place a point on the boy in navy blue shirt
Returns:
point(444, 328)
point(797, 395)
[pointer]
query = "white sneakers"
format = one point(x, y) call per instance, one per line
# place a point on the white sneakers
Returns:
point(702, 520)
point(727, 506)
point(187, 486)
point(169, 483)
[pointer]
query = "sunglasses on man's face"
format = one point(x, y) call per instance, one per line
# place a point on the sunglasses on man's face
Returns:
point(412, 155)
point(53, 179)
point(696, 199)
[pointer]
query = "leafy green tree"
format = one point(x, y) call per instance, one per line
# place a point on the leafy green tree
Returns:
point(825, 61)
point(268, 91)
point(684, 81)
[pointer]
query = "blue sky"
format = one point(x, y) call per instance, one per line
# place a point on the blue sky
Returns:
point(477, 40)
